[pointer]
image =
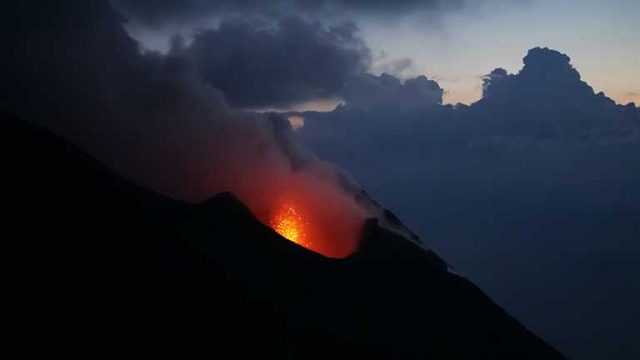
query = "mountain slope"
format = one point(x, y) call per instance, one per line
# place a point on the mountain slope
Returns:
point(99, 267)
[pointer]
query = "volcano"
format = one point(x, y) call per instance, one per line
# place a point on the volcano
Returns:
point(99, 267)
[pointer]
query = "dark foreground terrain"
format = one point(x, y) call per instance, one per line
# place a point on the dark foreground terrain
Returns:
point(98, 267)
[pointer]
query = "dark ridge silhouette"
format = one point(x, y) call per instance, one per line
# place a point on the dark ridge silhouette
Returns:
point(99, 267)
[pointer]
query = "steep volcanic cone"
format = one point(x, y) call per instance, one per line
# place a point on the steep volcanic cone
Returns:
point(306, 200)
point(307, 204)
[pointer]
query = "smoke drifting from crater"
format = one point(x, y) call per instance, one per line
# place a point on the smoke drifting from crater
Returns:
point(264, 63)
point(152, 118)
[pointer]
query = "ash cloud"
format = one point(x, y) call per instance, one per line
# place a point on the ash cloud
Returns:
point(263, 63)
point(274, 54)
point(152, 118)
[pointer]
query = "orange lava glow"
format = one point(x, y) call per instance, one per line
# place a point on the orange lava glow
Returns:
point(289, 223)
point(312, 215)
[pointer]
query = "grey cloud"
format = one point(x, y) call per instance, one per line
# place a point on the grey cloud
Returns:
point(370, 92)
point(545, 104)
point(493, 78)
point(152, 118)
point(400, 6)
point(539, 177)
point(546, 73)
point(80, 75)
point(261, 63)
point(401, 67)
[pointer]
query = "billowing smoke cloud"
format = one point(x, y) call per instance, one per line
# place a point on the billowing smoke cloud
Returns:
point(152, 118)
point(262, 63)
point(270, 54)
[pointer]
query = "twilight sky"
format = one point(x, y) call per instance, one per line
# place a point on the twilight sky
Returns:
point(457, 44)
point(600, 36)
point(533, 192)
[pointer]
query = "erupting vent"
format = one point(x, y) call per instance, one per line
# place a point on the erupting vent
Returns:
point(318, 221)
point(289, 223)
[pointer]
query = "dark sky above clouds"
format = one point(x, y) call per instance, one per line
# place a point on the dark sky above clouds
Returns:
point(533, 189)
point(160, 12)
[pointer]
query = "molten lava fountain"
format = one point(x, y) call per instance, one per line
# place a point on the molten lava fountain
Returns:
point(316, 226)
point(310, 210)
point(289, 223)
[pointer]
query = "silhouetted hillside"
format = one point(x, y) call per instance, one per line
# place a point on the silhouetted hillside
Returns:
point(99, 267)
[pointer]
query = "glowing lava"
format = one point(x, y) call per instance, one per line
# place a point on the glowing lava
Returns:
point(315, 224)
point(288, 222)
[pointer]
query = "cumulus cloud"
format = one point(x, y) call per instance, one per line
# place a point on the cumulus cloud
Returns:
point(399, 67)
point(543, 109)
point(541, 130)
point(546, 73)
point(270, 54)
point(548, 100)
point(538, 180)
point(370, 92)
point(261, 63)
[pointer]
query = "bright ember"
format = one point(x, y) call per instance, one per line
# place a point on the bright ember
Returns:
point(289, 223)
point(313, 214)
